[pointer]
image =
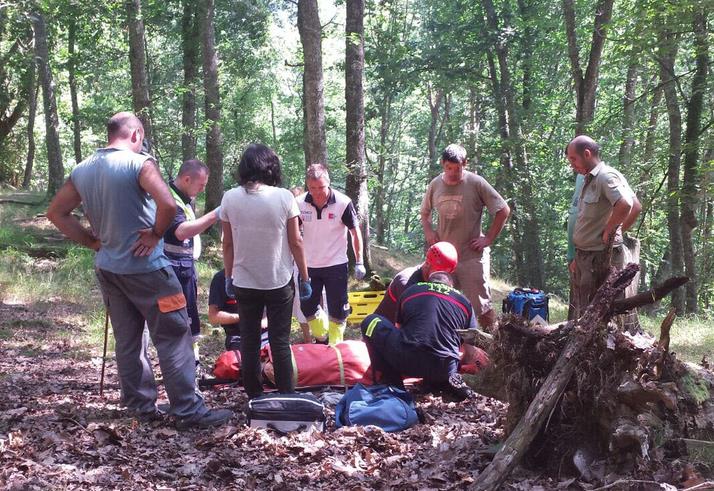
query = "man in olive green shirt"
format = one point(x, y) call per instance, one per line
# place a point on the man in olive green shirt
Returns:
point(606, 206)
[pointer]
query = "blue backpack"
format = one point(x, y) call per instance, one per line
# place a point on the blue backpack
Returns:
point(528, 303)
point(388, 407)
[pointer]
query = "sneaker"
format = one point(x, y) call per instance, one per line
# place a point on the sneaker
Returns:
point(214, 417)
point(456, 389)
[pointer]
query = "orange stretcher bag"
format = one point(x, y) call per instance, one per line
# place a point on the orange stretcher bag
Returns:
point(227, 365)
point(344, 364)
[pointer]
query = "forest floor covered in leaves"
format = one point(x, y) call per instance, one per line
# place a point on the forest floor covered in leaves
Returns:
point(57, 433)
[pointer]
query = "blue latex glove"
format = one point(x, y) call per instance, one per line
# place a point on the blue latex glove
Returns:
point(360, 271)
point(230, 290)
point(305, 289)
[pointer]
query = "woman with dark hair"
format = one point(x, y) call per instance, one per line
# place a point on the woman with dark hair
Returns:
point(261, 236)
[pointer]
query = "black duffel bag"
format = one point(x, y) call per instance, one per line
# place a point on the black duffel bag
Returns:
point(286, 412)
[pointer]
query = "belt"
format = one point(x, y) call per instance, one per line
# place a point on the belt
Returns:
point(175, 249)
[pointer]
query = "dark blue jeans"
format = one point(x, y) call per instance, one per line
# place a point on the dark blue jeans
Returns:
point(334, 280)
point(189, 284)
point(278, 304)
point(396, 359)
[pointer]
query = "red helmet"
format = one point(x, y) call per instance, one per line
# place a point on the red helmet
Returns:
point(442, 257)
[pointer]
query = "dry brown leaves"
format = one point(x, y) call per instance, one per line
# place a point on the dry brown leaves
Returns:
point(56, 433)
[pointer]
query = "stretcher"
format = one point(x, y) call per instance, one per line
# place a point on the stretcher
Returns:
point(363, 304)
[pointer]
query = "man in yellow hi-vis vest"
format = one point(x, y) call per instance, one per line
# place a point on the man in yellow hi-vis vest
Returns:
point(182, 240)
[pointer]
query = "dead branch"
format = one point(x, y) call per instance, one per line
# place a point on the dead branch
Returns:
point(550, 391)
point(665, 328)
point(650, 296)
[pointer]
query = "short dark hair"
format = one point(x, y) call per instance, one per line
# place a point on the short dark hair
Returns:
point(259, 163)
point(192, 167)
point(441, 277)
point(581, 143)
point(121, 124)
point(454, 153)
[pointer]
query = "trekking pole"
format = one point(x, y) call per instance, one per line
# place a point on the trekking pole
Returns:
point(104, 354)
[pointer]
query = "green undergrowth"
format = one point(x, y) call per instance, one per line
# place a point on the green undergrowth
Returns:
point(68, 276)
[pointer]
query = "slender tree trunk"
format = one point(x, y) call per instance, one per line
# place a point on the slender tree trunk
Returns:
point(534, 266)
point(474, 127)
point(356, 186)
point(628, 117)
point(315, 141)
point(648, 153)
point(55, 168)
point(191, 42)
point(435, 98)
point(32, 88)
point(385, 110)
point(667, 57)
point(72, 74)
point(586, 82)
point(141, 101)
point(214, 137)
point(691, 176)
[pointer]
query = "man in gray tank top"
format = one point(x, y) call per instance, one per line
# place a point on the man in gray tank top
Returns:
point(129, 208)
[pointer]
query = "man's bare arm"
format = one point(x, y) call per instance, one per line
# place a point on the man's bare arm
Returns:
point(431, 236)
point(632, 216)
point(60, 214)
point(218, 316)
point(499, 220)
point(187, 229)
point(150, 180)
point(620, 211)
point(356, 234)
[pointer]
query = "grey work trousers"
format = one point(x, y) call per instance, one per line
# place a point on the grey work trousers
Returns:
point(156, 299)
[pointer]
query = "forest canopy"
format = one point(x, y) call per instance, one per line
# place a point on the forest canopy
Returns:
point(378, 89)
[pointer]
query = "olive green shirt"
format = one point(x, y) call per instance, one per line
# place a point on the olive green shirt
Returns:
point(604, 186)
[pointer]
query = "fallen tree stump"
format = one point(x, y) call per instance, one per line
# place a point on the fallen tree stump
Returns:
point(584, 393)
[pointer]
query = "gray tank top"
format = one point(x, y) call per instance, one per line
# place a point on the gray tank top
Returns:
point(117, 208)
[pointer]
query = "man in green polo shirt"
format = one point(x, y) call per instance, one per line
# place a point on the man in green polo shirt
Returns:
point(607, 206)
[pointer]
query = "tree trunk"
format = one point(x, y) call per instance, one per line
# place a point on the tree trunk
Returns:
point(55, 168)
point(191, 42)
point(474, 127)
point(315, 142)
point(141, 101)
point(32, 111)
point(533, 256)
point(214, 137)
point(356, 186)
point(628, 117)
point(9, 117)
point(385, 109)
point(667, 57)
point(435, 99)
point(72, 70)
point(691, 178)
point(586, 83)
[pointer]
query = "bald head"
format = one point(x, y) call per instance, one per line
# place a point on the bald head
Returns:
point(122, 126)
point(583, 142)
point(583, 154)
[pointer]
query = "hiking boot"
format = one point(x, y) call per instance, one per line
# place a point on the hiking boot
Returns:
point(158, 414)
point(456, 390)
point(214, 417)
